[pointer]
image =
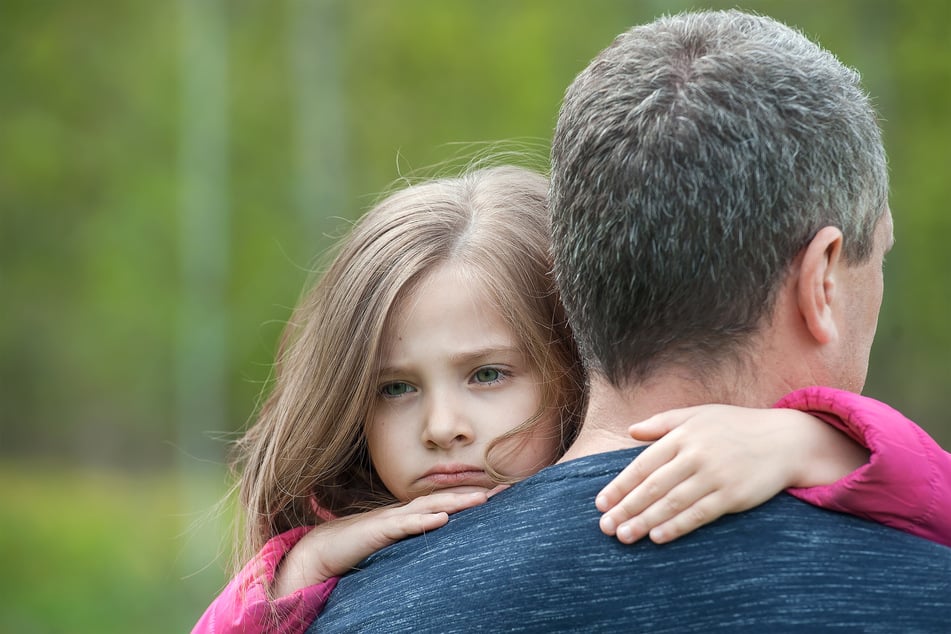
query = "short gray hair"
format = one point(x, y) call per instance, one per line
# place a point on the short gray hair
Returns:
point(692, 160)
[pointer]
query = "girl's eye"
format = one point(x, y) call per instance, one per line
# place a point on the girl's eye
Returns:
point(487, 375)
point(397, 388)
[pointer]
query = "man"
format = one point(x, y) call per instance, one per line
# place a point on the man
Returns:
point(719, 212)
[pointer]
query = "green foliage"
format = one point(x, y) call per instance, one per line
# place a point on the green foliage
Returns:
point(329, 103)
point(98, 551)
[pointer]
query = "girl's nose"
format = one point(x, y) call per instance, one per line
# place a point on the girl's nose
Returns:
point(446, 423)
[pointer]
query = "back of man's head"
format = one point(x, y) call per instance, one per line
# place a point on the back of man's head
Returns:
point(692, 160)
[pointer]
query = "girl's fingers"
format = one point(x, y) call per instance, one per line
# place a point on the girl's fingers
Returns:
point(649, 494)
point(661, 424)
point(702, 512)
point(425, 513)
point(414, 524)
point(442, 502)
point(338, 545)
point(678, 512)
point(640, 469)
point(498, 489)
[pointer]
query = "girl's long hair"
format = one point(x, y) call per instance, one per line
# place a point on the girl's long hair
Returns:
point(306, 454)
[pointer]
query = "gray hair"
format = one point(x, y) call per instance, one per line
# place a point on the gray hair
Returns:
point(692, 160)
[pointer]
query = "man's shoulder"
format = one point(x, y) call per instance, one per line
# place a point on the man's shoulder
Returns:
point(561, 499)
point(564, 494)
point(534, 554)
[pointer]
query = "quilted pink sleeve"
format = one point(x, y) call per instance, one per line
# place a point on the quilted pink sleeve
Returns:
point(244, 607)
point(906, 483)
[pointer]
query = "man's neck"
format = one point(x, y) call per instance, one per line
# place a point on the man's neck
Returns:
point(611, 410)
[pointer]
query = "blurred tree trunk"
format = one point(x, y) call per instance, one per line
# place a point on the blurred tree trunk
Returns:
point(202, 359)
point(320, 123)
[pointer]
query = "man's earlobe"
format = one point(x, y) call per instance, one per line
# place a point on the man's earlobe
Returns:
point(817, 284)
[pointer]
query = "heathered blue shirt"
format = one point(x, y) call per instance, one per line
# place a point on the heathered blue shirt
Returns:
point(532, 559)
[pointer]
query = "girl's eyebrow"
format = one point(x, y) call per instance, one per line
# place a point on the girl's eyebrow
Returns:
point(460, 358)
point(482, 353)
point(390, 372)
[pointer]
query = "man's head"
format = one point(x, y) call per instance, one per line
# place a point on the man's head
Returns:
point(694, 161)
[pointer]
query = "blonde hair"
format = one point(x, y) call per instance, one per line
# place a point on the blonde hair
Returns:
point(307, 451)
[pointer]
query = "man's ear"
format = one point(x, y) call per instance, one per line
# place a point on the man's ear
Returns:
point(817, 284)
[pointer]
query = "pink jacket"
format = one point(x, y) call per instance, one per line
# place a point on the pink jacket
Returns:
point(244, 607)
point(906, 484)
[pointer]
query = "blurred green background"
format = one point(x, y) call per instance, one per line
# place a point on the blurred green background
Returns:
point(169, 171)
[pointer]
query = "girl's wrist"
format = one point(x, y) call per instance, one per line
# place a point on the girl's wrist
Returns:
point(826, 456)
point(301, 567)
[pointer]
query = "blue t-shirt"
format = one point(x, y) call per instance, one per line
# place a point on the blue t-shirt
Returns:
point(532, 559)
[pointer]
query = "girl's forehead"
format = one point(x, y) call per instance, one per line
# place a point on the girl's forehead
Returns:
point(449, 295)
point(455, 288)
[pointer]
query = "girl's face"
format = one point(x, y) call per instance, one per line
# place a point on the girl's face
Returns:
point(453, 379)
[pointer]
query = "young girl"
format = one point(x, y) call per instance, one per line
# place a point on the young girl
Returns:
point(432, 362)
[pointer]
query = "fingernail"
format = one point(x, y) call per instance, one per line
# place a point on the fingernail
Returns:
point(608, 525)
point(624, 534)
point(601, 502)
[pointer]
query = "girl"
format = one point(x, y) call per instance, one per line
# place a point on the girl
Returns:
point(432, 362)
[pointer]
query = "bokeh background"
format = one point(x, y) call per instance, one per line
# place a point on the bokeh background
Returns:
point(170, 170)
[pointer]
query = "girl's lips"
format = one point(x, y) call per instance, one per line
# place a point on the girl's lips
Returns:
point(442, 476)
point(455, 478)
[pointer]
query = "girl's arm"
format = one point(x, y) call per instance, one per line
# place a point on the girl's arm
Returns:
point(287, 584)
point(906, 483)
point(720, 459)
point(332, 549)
point(244, 606)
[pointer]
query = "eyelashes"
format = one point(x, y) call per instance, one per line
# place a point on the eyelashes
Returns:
point(489, 375)
point(396, 389)
point(485, 375)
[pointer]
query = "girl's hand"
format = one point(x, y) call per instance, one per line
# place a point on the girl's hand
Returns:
point(335, 547)
point(716, 459)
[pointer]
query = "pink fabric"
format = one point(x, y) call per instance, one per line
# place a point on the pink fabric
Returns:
point(907, 482)
point(244, 607)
